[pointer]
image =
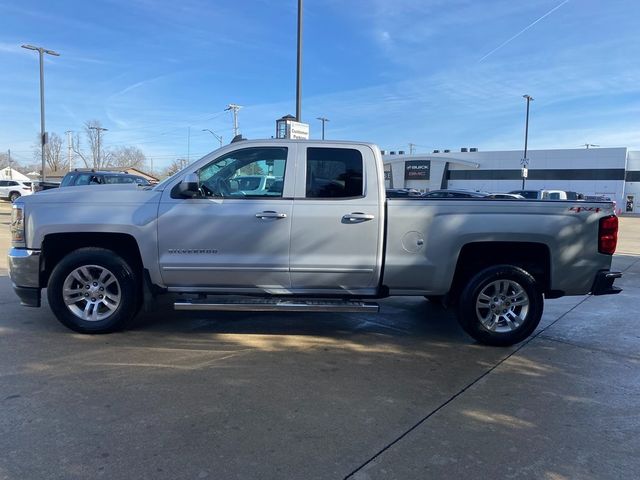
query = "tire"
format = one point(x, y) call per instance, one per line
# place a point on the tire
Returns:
point(13, 196)
point(102, 291)
point(513, 309)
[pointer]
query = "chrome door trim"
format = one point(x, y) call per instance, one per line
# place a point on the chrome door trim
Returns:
point(230, 268)
point(330, 270)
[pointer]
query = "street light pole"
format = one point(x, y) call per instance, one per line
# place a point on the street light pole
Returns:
point(218, 137)
point(69, 147)
point(525, 160)
point(41, 51)
point(299, 67)
point(323, 120)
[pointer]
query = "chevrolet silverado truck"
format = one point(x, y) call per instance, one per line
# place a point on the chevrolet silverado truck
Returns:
point(324, 239)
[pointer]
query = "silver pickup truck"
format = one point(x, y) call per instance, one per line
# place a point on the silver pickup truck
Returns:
point(321, 237)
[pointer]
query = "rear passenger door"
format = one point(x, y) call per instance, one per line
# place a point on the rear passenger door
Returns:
point(336, 232)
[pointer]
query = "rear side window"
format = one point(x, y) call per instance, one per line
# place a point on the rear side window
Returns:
point(334, 173)
point(118, 179)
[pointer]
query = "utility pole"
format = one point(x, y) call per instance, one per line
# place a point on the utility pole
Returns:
point(43, 138)
point(188, 145)
point(99, 130)
point(411, 148)
point(323, 120)
point(588, 145)
point(69, 146)
point(525, 160)
point(299, 66)
point(234, 109)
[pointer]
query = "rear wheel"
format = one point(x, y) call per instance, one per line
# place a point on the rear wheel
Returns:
point(14, 196)
point(93, 290)
point(500, 306)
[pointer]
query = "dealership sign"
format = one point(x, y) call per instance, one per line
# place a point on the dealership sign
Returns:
point(417, 170)
point(388, 177)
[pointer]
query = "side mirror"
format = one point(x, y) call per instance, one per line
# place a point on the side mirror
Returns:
point(189, 187)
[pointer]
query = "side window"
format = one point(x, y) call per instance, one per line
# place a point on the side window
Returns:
point(334, 173)
point(244, 173)
point(118, 179)
point(83, 179)
point(3, 183)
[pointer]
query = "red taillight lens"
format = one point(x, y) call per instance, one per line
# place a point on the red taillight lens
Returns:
point(608, 235)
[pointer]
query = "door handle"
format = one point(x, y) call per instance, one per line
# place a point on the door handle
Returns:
point(356, 217)
point(270, 214)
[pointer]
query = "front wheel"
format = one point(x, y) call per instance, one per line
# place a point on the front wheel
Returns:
point(500, 306)
point(14, 196)
point(93, 290)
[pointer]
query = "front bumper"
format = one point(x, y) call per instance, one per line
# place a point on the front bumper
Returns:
point(603, 284)
point(24, 270)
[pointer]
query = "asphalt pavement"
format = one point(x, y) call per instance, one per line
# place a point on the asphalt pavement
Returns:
point(404, 394)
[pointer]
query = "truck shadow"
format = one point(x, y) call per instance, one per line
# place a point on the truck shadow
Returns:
point(407, 317)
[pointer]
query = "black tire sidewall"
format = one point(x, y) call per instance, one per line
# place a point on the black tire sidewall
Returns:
point(121, 270)
point(467, 316)
point(13, 196)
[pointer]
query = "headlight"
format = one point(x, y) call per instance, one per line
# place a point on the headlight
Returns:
point(17, 225)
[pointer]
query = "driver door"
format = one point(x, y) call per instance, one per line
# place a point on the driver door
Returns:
point(230, 238)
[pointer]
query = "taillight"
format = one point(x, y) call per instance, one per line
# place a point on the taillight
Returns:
point(608, 235)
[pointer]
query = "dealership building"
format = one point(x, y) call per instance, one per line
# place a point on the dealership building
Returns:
point(610, 172)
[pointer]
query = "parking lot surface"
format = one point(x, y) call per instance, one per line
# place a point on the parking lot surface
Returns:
point(403, 394)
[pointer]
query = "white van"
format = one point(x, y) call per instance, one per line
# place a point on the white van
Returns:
point(547, 194)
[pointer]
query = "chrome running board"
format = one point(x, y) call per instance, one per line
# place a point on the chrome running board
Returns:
point(277, 305)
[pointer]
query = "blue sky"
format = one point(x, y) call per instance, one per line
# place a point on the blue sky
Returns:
point(437, 73)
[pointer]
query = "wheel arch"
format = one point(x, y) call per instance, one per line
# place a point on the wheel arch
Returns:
point(533, 257)
point(55, 246)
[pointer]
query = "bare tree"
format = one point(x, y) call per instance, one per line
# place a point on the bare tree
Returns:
point(128, 157)
point(53, 153)
point(4, 160)
point(175, 166)
point(95, 155)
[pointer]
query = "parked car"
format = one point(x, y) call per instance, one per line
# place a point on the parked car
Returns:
point(39, 185)
point(330, 241)
point(14, 189)
point(97, 177)
point(547, 194)
point(403, 193)
point(454, 194)
point(256, 185)
point(506, 196)
point(596, 198)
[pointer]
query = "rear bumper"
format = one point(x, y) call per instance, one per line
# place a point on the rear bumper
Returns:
point(24, 270)
point(603, 284)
